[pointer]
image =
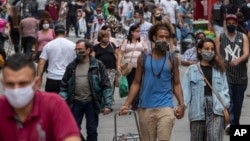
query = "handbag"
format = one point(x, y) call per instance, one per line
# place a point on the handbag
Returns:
point(126, 68)
point(226, 113)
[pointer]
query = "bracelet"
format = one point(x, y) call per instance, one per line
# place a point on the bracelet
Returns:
point(126, 105)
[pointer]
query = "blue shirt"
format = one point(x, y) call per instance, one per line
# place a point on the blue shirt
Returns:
point(183, 10)
point(156, 92)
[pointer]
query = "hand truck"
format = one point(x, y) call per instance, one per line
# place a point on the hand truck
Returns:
point(128, 136)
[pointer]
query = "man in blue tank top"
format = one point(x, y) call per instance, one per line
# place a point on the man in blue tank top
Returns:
point(154, 77)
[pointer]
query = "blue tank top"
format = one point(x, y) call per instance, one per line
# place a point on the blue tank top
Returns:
point(156, 91)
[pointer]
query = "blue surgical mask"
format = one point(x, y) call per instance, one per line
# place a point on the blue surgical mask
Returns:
point(207, 55)
point(231, 28)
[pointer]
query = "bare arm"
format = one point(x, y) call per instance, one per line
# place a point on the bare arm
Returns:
point(217, 45)
point(178, 90)
point(118, 59)
point(134, 89)
point(245, 55)
point(40, 67)
point(73, 138)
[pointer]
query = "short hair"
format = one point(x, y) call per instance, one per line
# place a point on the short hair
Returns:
point(18, 61)
point(59, 29)
point(159, 26)
point(88, 45)
point(101, 34)
point(140, 12)
point(105, 27)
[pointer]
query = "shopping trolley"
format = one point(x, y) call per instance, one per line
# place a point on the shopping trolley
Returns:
point(128, 136)
point(10, 46)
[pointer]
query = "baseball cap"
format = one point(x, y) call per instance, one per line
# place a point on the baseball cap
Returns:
point(59, 28)
point(231, 17)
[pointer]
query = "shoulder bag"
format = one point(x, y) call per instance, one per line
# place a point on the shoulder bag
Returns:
point(226, 113)
point(126, 68)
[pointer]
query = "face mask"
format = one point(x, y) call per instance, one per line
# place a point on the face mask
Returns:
point(162, 46)
point(80, 55)
point(136, 21)
point(19, 97)
point(46, 26)
point(207, 55)
point(73, 2)
point(231, 28)
point(158, 18)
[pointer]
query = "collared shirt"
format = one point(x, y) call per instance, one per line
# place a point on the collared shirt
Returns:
point(50, 120)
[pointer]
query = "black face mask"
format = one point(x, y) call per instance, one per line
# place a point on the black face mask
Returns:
point(162, 46)
point(158, 18)
point(80, 55)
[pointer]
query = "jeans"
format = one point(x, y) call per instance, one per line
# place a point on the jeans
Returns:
point(79, 109)
point(236, 92)
point(185, 30)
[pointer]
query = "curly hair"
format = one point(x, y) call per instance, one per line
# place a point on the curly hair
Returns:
point(155, 28)
point(45, 16)
point(217, 61)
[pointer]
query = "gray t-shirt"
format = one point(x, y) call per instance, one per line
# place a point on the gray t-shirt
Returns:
point(82, 88)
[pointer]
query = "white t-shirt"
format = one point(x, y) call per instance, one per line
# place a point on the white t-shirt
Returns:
point(41, 4)
point(169, 7)
point(126, 7)
point(96, 27)
point(59, 53)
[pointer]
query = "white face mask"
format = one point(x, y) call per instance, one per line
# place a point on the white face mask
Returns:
point(73, 2)
point(46, 26)
point(19, 97)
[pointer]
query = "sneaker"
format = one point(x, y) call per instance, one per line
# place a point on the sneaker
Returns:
point(227, 129)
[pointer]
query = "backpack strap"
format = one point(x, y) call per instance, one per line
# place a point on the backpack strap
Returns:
point(171, 57)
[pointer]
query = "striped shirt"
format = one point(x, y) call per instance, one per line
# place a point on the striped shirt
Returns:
point(232, 50)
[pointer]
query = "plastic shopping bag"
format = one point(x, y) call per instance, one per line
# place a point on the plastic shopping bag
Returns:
point(82, 25)
point(123, 86)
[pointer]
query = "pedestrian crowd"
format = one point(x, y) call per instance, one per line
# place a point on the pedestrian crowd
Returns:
point(136, 40)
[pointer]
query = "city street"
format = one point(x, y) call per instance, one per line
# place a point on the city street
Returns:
point(126, 124)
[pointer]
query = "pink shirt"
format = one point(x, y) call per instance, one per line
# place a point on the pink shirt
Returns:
point(49, 120)
point(133, 51)
point(3, 23)
point(28, 27)
point(44, 38)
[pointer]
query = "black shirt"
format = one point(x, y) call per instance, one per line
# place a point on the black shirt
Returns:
point(106, 55)
point(207, 71)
